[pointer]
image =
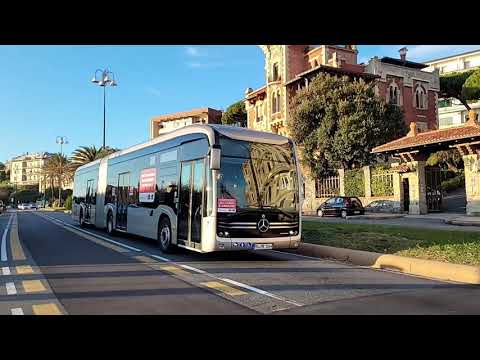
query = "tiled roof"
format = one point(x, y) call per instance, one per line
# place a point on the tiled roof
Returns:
point(431, 137)
point(326, 68)
point(254, 93)
point(184, 114)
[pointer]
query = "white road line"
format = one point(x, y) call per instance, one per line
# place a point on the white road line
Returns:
point(16, 311)
point(233, 282)
point(251, 288)
point(5, 270)
point(3, 249)
point(95, 235)
point(11, 289)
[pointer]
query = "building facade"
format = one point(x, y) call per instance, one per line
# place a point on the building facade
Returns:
point(450, 111)
point(26, 170)
point(409, 85)
point(169, 122)
point(289, 68)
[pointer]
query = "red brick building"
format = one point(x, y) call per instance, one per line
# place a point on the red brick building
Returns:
point(289, 68)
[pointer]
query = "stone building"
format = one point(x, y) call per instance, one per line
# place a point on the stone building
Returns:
point(26, 170)
point(289, 68)
point(406, 84)
point(169, 122)
point(450, 111)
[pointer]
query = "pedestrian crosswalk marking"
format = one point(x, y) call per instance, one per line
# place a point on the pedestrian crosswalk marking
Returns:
point(223, 288)
point(16, 311)
point(33, 286)
point(11, 289)
point(46, 309)
point(24, 270)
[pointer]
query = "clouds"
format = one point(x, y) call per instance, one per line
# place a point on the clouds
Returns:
point(193, 51)
point(199, 57)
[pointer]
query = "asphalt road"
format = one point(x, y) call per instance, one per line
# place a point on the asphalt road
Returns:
point(57, 268)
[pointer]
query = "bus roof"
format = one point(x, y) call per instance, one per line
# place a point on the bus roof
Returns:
point(232, 132)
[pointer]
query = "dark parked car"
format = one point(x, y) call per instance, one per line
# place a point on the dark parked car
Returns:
point(386, 206)
point(341, 206)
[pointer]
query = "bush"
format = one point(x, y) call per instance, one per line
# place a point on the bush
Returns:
point(354, 183)
point(454, 183)
point(68, 202)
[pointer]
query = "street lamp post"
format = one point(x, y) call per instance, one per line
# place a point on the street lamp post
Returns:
point(60, 140)
point(106, 78)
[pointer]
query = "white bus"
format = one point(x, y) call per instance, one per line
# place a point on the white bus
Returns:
point(202, 187)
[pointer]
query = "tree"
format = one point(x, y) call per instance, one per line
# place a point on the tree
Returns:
point(58, 169)
point(449, 159)
point(463, 86)
point(338, 120)
point(235, 113)
point(86, 154)
point(3, 172)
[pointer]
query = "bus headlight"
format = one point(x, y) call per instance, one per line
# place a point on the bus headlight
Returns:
point(292, 232)
point(227, 233)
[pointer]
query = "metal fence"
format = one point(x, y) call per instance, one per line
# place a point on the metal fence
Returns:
point(382, 184)
point(327, 187)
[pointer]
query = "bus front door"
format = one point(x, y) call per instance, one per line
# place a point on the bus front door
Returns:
point(191, 203)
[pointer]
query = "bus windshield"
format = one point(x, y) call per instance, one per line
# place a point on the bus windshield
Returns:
point(258, 175)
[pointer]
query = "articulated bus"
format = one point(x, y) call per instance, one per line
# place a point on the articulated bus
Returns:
point(202, 187)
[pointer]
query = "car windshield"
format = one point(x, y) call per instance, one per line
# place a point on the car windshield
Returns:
point(258, 175)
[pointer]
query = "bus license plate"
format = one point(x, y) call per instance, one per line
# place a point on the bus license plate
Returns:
point(262, 247)
point(357, 212)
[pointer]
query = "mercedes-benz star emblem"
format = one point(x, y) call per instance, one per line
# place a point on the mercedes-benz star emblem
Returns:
point(263, 224)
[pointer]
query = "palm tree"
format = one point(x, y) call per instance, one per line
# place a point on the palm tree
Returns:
point(58, 169)
point(86, 154)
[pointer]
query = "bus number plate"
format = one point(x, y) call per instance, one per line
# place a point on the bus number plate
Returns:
point(262, 247)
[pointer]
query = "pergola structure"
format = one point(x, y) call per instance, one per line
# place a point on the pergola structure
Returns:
point(414, 149)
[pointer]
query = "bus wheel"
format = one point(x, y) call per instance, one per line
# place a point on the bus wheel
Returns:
point(110, 223)
point(165, 235)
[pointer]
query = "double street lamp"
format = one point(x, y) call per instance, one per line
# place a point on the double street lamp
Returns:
point(60, 140)
point(104, 78)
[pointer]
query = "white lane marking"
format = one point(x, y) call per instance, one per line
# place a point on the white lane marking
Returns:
point(260, 291)
point(11, 289)
point(16, 311)
point(3, 249)
point(239, 284)
point(303, 256)
point(6, 270)
point(251, 288)
point(95, 235)
point(193, 269)
point(159, 258)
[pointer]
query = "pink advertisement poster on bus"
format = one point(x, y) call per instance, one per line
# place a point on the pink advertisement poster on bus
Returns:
point(148, 184)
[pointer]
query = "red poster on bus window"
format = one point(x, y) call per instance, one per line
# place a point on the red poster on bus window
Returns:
point(226, 205)
point(148, 182)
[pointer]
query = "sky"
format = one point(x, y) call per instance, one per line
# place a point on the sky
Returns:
point(45, 91)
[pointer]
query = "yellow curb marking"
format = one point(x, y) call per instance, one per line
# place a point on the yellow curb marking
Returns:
point(25, 269)
point(223, 288)
point(17, 250)
point(173, 269)
point(144, 259)
point(33, 286)
point(46, 309)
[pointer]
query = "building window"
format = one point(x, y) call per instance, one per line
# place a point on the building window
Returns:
point(275, 72)
point(466, 65)
point(259, 113)
point(393, 94)
point(274, 104)
point(420, 98)
point(278, 101)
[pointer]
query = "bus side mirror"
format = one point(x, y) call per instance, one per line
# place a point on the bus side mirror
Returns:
point(215, 159)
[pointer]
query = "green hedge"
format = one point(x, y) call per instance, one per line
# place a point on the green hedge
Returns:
point(354, 183)
point(68, 202)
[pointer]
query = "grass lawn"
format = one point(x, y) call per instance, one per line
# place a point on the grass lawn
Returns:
point(459, 247)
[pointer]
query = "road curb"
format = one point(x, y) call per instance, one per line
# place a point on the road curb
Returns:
point(377, 217)
point(427, 268)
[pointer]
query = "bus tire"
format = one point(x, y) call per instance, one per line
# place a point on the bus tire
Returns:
point(110, 229)
point(164, 236)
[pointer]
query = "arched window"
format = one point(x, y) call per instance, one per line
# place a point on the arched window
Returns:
point(278, 101)
point(393, 94)
point(275, 72)
point(274, 104)
point(420, 98)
